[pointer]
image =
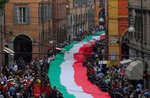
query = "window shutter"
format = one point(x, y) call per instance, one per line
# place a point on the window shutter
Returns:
point(46, 12)
point(49, 11)
point(15, 19)
point(39, 8)
point(28, 15)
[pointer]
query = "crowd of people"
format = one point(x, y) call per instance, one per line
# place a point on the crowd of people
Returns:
point(111, 78)
point(17, 80)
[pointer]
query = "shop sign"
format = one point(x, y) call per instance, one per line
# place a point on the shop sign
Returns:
point(113, 41)
point(113, 56)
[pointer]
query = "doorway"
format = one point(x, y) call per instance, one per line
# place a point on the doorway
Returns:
point(23, 48)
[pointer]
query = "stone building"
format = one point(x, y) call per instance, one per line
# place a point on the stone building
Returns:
point(80, 17)
point(59, 21)
point(139, 39)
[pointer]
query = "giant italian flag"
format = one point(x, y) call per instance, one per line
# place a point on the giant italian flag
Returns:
point(69, 76)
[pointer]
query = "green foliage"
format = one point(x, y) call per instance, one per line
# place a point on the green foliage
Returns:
point(3, 2)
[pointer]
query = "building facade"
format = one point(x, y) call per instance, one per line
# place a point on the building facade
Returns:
point(59, 21)
point(80, 17)
point(1, 37)
point(28, 28)
point(99, 10)
point(117, 21)
point(139, 40)
point(123, 25)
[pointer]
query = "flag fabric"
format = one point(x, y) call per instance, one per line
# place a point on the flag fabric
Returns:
point(68, 74)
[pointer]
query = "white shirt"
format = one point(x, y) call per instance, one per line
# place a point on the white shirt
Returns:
point(140, 86)
point(15, 67)
point(41, 62)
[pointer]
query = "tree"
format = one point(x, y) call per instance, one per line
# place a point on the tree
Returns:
point(2, 3)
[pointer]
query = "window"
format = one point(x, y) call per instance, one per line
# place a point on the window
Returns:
point(137, 25)
point(136, 28)
point(44, 12)
point(21, 15)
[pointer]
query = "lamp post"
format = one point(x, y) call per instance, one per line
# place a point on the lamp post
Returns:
point(101, 22)
point(80, 31)
point(131, 29)
point(67, 6)
point(51, 42)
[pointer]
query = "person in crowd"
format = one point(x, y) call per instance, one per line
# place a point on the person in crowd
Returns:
point(1, 95)
point(112, 77)
point(13, 92)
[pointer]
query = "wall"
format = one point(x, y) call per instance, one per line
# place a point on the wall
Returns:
point(59, 20)
point(1, 38)
point(113, 31)
point(122, 21)
point(32, 30)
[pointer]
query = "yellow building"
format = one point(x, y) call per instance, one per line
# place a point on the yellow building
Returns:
point(117, 26)
point(111, 26)
point(113, 34)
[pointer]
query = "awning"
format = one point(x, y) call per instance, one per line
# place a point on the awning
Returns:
point(9, 51)
point(134, 71)
point(126, 61)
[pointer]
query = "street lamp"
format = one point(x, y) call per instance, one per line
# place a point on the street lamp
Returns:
point(76, 4)
point(131, 29)
point(67, 6)
point(80, 30)
point(101, 20)
point(83, 5)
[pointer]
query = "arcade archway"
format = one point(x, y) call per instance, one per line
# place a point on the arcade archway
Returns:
point(23, 48)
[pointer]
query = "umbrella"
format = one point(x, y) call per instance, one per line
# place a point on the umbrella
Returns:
point(147, 93)
point(134, 70)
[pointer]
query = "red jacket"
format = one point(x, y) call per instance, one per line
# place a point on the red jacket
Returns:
point(9, 85)
point(48, 90)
